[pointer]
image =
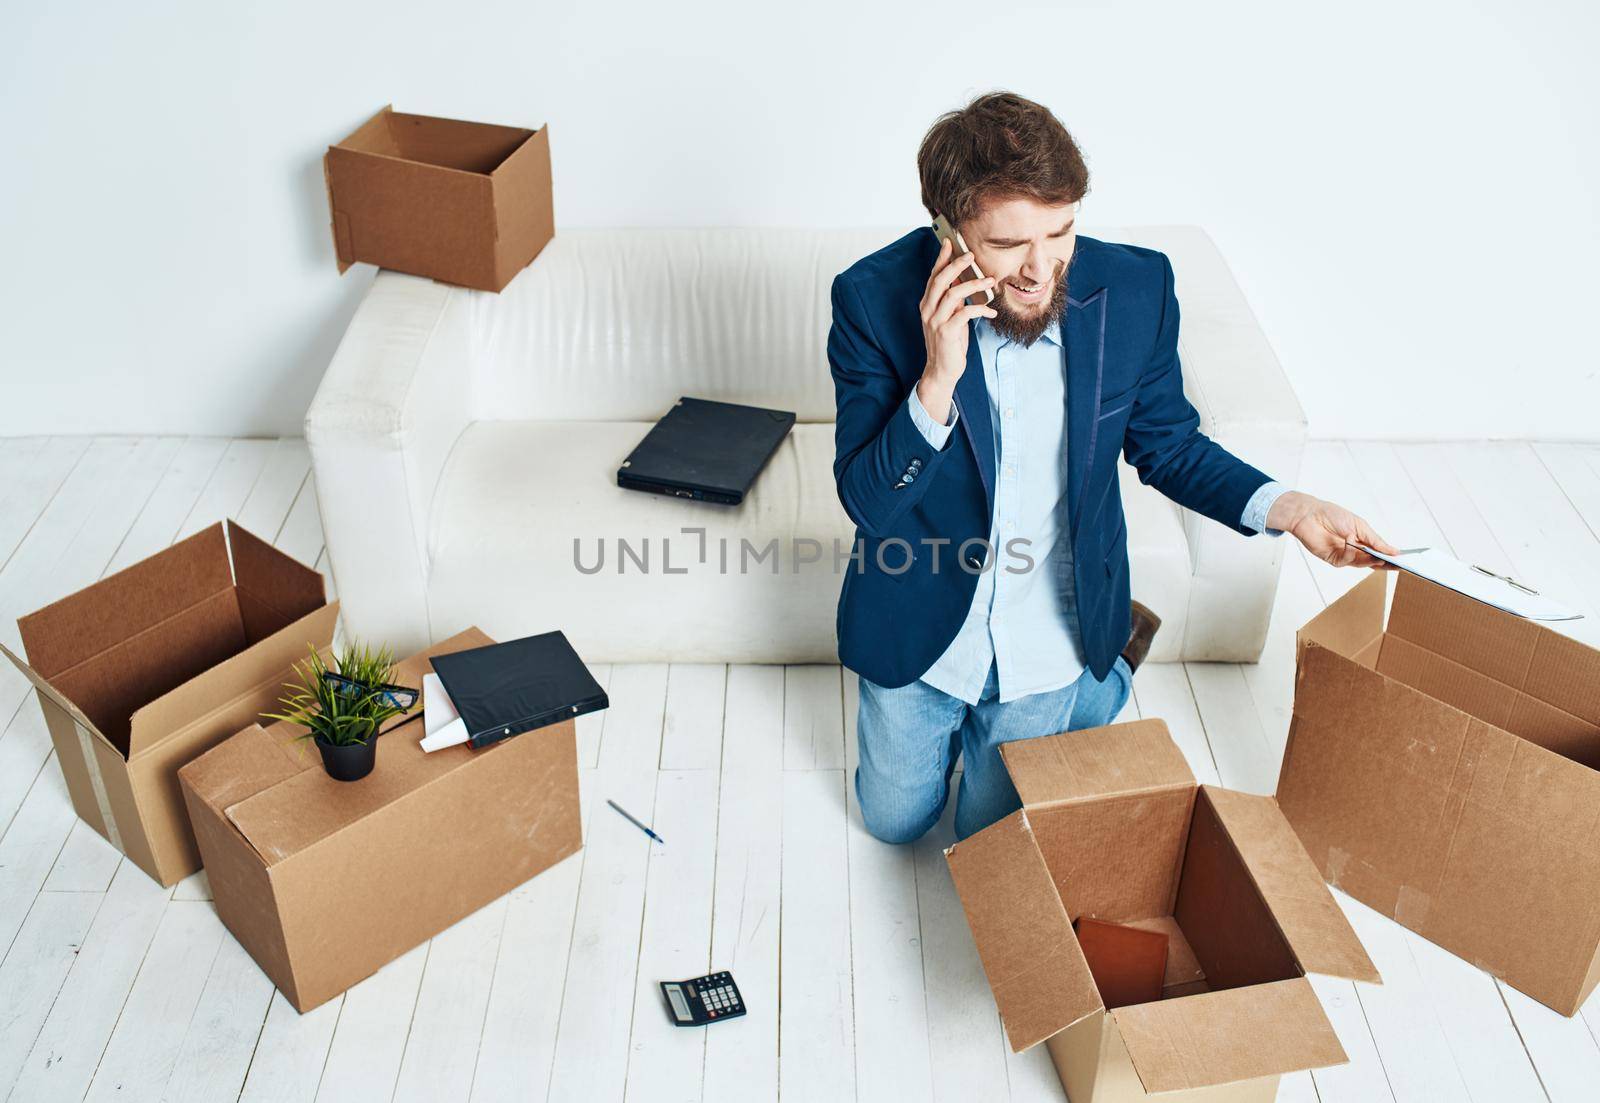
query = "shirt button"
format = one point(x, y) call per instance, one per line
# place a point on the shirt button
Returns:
point(1010, 470)
point(1010, 412)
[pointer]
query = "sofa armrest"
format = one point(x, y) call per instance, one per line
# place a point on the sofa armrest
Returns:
point(395, 399)
point(1246, 404)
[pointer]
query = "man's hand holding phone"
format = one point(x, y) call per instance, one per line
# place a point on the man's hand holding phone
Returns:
point(945, 314)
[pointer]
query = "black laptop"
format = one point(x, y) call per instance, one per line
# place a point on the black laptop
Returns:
point(704, 450)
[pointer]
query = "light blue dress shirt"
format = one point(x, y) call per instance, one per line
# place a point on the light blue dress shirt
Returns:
point(1024, 620)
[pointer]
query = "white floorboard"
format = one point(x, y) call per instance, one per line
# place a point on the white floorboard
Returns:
point(854, 957)
point(367, 1032)
point(816, 1038)
point(742, 1054)
point(292, 1051)
point(893, 1054)
point(675, 935)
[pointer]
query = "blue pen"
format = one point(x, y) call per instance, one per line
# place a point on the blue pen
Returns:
point(624, 813)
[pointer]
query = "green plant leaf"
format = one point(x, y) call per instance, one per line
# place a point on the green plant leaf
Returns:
point(336, 716)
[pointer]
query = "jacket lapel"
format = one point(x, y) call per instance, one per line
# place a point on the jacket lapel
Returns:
point(1084, 346)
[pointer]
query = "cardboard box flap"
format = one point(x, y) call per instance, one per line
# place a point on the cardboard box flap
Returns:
point(236, 768)
point(1350, 625)
point(1228, 1036)
point(1476, 635)
point(525, 148)
point(121, 606)
point(1040, 979)
point(1137, 756)
point(1311, 922)
point(61, 702)
point(197, 698)
point(299, 810)
point(302, 809)
point(372, 136)
point(1522, 654)
point(344, 251)
point(276, 589)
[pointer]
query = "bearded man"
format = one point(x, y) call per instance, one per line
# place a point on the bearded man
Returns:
point(976, 447)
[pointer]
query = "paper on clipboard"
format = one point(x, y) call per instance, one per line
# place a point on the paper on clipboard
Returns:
point(442, 725)
point(1478, 583)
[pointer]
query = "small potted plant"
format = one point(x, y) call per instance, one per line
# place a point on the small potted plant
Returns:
point(341, 711)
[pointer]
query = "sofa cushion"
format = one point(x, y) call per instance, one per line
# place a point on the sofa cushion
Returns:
point(517, 495)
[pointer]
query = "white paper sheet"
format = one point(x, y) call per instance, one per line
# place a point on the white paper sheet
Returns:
point(1477, 583)
point(442, 725)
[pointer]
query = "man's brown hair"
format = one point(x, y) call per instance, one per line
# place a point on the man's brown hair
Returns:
point(999, 145)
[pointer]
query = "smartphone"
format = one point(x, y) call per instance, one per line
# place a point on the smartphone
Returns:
point(947, 232)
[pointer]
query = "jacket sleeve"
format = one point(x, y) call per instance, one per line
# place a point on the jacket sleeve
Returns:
point(882, 463)
point(1164, 443)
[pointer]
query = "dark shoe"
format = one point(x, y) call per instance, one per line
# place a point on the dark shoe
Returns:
point(1145, 624)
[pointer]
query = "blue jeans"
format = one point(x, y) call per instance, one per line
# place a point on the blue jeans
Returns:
point(908, 739)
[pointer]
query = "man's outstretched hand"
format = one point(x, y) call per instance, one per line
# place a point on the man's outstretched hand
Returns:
point(1329, 531)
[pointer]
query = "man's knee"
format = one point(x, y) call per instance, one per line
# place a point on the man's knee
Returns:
point(898, 830)
point(896, 818)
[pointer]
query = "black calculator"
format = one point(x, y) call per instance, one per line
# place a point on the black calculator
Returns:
point(707, 999)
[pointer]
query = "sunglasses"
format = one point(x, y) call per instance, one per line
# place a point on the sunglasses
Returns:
point(400, 697)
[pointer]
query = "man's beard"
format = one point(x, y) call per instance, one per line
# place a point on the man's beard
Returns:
point(1028, 328)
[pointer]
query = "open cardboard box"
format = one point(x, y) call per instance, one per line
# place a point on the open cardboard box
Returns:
point(151, 666)
point(325, 881)
point(1114, 827)
point(1445, 770)
point(466, 203)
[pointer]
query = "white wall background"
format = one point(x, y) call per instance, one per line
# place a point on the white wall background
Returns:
point(1407, 191)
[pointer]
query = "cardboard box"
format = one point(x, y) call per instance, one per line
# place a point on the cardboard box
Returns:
point(1443, 770)
point(325, 881)
point(466, 203)
point(1113, 827)
point(151, 666)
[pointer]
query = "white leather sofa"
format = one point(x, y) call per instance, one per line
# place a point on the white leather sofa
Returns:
point(464, 441)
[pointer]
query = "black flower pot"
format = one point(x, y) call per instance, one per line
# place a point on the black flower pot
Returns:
point(350, 761)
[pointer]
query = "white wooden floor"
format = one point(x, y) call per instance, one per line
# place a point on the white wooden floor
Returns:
point(854, 957)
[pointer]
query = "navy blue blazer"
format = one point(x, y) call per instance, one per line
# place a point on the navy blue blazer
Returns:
point(1124, 394)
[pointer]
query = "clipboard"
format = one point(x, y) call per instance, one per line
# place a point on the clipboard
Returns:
point(1479, 583)
point(504, 689)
